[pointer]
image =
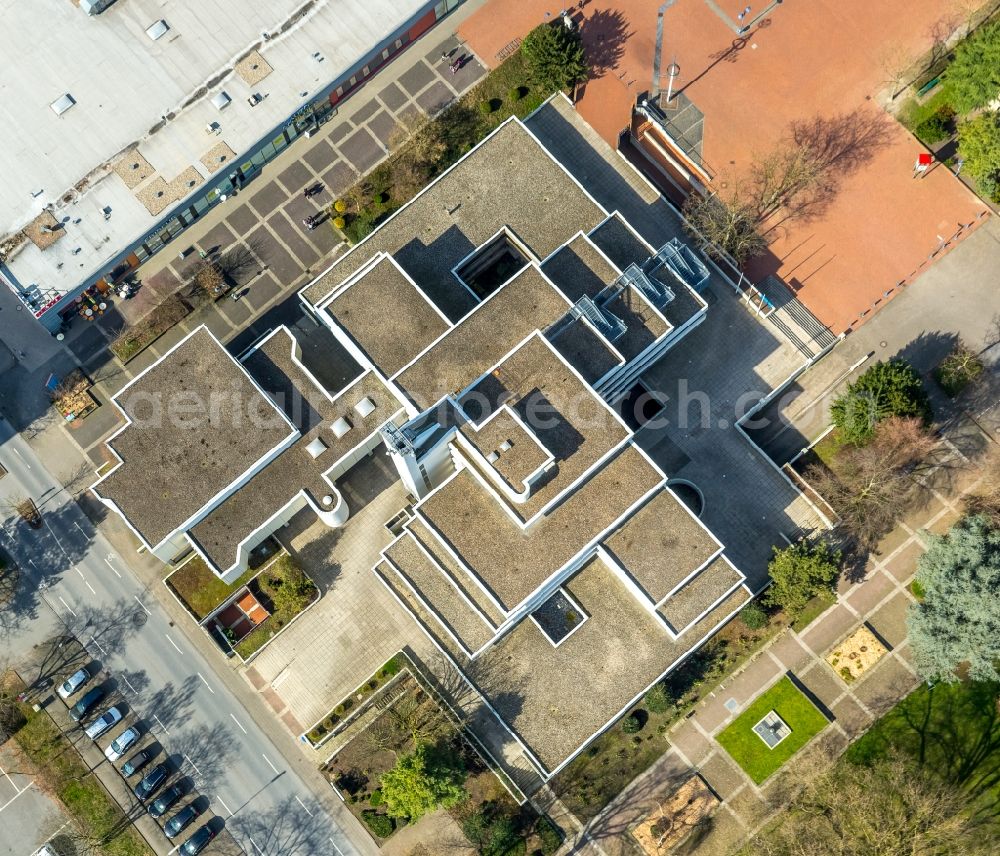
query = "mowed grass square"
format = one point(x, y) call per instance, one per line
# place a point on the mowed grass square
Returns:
point(750, 752)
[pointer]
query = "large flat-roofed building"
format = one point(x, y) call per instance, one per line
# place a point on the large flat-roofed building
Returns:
point(130, 124)
point(544, 550)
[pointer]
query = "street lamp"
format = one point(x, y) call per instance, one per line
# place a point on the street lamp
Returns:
point(672, 71)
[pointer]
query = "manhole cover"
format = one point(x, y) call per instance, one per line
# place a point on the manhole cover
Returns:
point(139, 618)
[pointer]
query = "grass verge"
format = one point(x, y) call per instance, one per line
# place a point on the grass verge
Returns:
point(813, 610)
point(61, 769)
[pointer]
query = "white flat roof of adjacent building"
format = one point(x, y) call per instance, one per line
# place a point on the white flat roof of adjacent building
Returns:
point(122, 82)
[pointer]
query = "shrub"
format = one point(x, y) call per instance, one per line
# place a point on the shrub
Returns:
point(375, 799)
point(339, 222)
point(516, 93)
point(886, 389)
point(549, 834)
point(429, 778)
point(800, 572)
point(340, 206)
point(380, 824)
point(631, 724)
point(938, 126)
point(973, 78)
point(956, 371)
point(658, 699)
point(754, 616)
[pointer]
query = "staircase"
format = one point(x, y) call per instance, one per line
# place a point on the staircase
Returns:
point(608, 324)
point(793, 318)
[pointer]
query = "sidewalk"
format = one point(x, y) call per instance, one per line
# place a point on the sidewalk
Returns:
point(881, 600)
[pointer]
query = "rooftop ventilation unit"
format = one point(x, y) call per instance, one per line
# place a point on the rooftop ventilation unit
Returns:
point(316, 448)
point(364, 407)
point(221, 100)
point(155, 31)
point(62, 104)
point(340, 427)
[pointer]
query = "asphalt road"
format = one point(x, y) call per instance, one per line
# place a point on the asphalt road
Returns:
point(74, 579)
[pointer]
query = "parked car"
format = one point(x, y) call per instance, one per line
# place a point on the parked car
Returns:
point(121, 744)
point(150, 782)
point(197, 842)
point(79, 710)
point(73, 683)
point(165, 801)
point(180, 821)
point(104, 722)
point(139, 760)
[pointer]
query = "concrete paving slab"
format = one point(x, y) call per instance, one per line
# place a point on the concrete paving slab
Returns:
point(220, 236)
point(339, 177)
point(927, 506)
point(263, 290)
point(219, 324)
point(384, 127)
point(889, 620)
point(790, 652)
point(369, 109)
point(691, 742)
point(468, 75)
point(851, 716)
point(888, 682)
point(269, 197)
point(88, 344)
point(723, 774)
point(243, 219)
point(292, 235)
point(295, 177)
point(822, 683)
point(750, 806)
point(945, 522)
point(326, 241)
point(338, 131)
point(893, 541)
point(903, 565)
point(282, 265)
point(97, 425)
point(833, 626)
point(865, 598)
point(320, 156)
point(416, 78)
point(435, 98)
point(236, 312)
point(362, 150)
point(393, 97)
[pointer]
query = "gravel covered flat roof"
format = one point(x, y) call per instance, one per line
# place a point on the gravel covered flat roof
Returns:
point(525, 304)
point(684, 606)
point(619, 243)
point(514, 464)
point(512, 562)
point(557, 699)
point(220, 533)
point(661, 544)
point(586, 350)
point(381, 293)
point(578, 269)
point(507, 180)
point(199, 424)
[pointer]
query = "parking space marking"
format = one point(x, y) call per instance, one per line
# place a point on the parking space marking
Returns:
point(142, 604)
point(88, 585)
point(269, 764)
point(188, 757)
point(240, 727)
point(107, 561)
point(227, 808)
point(303, 805)
point(171, 641)
point(335, 847)
point(129, 685)
point(101, 649)
point(66, 605)
point(256, 846)
point(200, 675)
point(17, 791)
point(160, 724)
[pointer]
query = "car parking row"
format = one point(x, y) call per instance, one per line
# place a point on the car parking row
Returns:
point(156, 779)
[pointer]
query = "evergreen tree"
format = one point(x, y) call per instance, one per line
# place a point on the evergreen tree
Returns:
point(886, 389)
point(429, 778)
point(555, 55)
point(973, 79)
point(799, 572)
point(958, 621)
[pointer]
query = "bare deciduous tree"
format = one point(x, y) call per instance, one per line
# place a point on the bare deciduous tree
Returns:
point(873, 484)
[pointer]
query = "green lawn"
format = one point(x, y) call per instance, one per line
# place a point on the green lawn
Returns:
point(750, 752)
point(952, 729)
point(199, 588)
point(283, 609)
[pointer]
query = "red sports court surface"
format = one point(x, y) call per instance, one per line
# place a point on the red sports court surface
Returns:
point(806, 61)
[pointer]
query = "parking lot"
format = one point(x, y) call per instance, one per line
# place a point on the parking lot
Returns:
point(28, 815)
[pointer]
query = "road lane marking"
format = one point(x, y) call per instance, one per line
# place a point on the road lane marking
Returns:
point(142, 604)
point(200, 675)
point(66, 605)
point(240, 727)
point(129, 685)
point(269, 764)
point(171, 641)
point(335, 847)
point(303, 805)
point(160, 724)
point(227, 808)
point(108, 563)
point(99, 646)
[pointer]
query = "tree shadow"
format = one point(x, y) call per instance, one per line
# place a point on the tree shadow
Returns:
point(172, 704)
point(207, 750)
point(604, 33)
point(287, 828)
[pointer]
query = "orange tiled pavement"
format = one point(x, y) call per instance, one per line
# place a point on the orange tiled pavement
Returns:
point(806, 60)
